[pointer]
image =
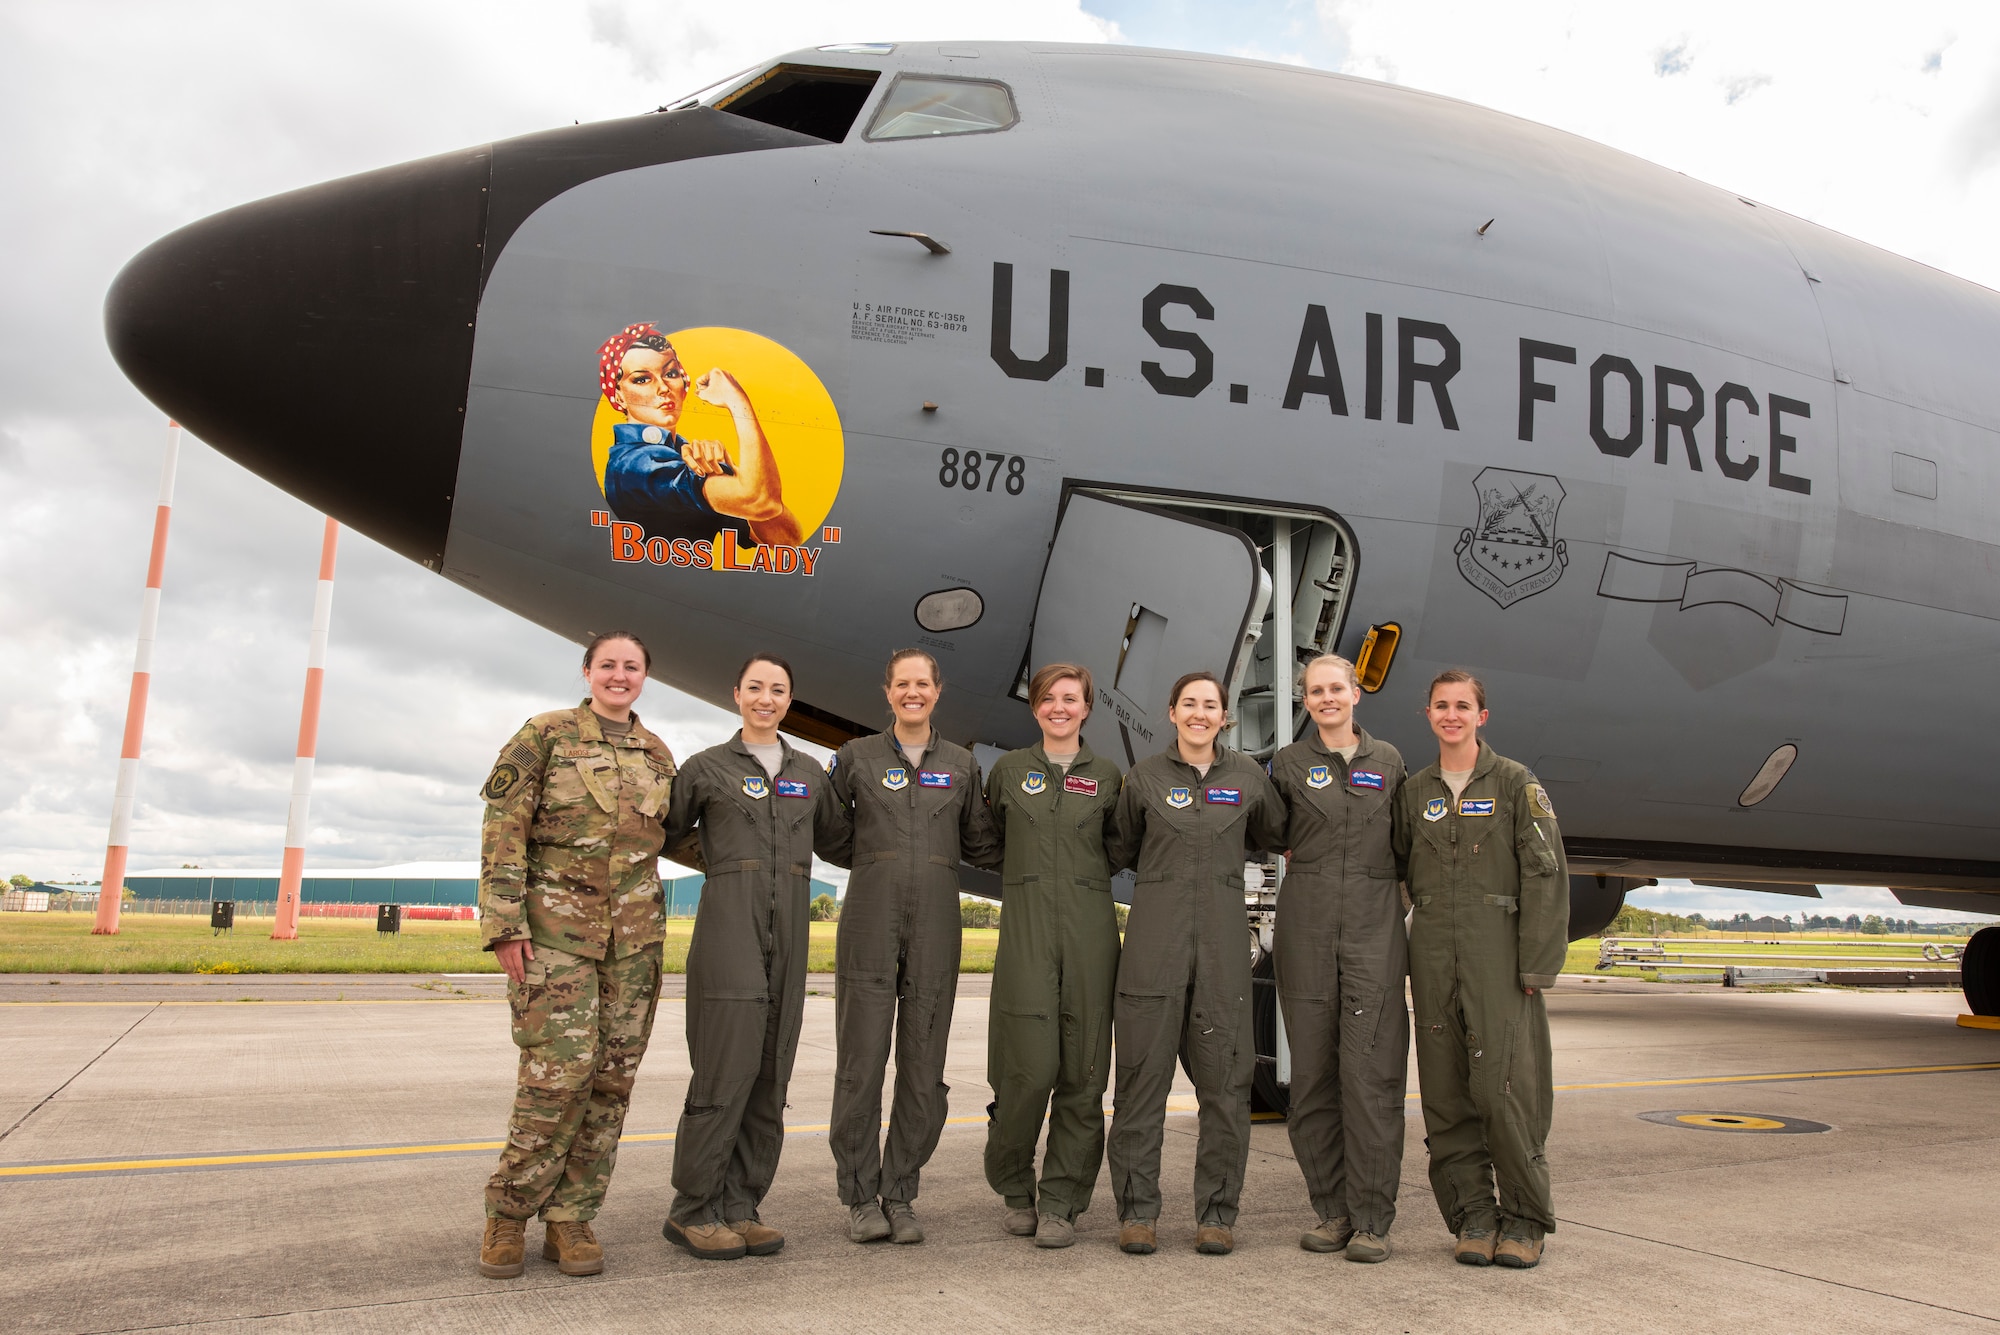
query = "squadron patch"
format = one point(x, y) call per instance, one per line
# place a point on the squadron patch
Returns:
point(1365, 778)
point(755, 786)
point(1475, 806)
point(1180, 797)
point(1034, 783)
point(1224, 797)
point(934, 778)
point(1319, 776)
point(1076, 783)
point(896, 778)
point(500, 782)
point(1435, 809)
point(793, 788)
point(1538, 801)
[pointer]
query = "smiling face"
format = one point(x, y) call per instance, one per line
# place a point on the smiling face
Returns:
point(1061, 714)
point(1330, 698)
point(1198, 717)
point(912, 692)
point(616, 674)
point(762, 697)
point(652, 385)
point(1454, 713)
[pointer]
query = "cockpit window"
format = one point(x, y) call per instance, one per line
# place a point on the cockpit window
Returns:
point(920, 106)
point(810, 99)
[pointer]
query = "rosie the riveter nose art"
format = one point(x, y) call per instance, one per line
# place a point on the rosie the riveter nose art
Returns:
point(716, 449)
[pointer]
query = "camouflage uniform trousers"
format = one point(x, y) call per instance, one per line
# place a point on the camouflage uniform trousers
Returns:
point(582, 1027)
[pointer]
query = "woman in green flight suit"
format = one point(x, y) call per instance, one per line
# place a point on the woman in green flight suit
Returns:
point(1049, 1025)
point(917, 811)
point(1185, 819)
point(1476, 838)
point(762, 810)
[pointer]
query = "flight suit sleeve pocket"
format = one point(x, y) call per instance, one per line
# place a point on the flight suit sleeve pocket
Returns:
point(1537, 859)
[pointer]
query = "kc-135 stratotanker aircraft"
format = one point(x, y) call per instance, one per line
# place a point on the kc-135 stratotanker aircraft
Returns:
point(1153, 361)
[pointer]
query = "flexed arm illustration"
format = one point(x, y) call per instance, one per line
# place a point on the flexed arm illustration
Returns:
point(754, 491)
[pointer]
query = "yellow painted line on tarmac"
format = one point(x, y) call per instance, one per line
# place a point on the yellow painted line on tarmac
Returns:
point(1181, 1104)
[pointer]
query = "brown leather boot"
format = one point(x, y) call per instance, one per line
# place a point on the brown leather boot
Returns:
point(1475, 1244)
point(1518, 1251)
point(502, 1248)
point(572, 1246)
point(707, 1242)
point(1138, 1236)
point(1214, 1240)
point(759, 1238)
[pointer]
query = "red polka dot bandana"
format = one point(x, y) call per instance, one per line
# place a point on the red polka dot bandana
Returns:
point(612, 355)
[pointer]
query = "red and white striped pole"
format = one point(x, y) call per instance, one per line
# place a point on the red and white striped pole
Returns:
point(111, 888)
point(287, 926)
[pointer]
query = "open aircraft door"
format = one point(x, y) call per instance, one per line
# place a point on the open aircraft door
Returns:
point(1140, 595)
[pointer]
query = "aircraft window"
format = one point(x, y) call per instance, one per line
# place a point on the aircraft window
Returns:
point(919, 106)
point(810, 99)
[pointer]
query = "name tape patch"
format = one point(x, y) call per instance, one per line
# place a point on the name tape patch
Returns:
point(793, 788)
point(1224, 797)
point(1076, 783)
point(1475, 806)
point(934, 778)
point(1365, 778)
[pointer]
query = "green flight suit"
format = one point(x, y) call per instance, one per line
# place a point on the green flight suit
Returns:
point(569, 861)
point(1048, 1032)
point(746, 967)
point(1489, 887)
point(897, 952)
point(1184, 974)
point(1341, 956)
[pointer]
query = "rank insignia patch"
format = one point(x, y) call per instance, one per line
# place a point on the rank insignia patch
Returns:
point(1035, 782)
point(1076, 783)
point(1476, 806)
point(1365, 778)
point(896, 779)
point(934, 778)
point(1435, 809)
point(1224, 797)
point(1319, 776)
point(1180, 797)
point(793, 788)
point(754, 785)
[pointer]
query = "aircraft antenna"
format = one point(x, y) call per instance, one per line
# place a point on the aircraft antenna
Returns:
point(111, 888)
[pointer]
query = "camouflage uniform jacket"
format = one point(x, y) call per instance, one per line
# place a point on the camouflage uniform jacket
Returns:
point(569, 851)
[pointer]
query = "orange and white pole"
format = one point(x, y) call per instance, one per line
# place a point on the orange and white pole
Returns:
point(111, 888)
point(287, 926)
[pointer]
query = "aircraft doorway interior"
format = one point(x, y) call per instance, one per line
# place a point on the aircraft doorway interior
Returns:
point(1249, 589)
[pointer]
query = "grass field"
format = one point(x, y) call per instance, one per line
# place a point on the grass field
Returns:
point(158, 943)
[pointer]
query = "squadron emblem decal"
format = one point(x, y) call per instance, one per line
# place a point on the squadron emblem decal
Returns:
point(1319, 776)
point(1034, 782)
point(1511, 552)
point(1435, 809)
point(1180, 797)
point(754, 785)
point(896, 779)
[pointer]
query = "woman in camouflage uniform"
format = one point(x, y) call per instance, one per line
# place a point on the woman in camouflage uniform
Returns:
point(570, 905)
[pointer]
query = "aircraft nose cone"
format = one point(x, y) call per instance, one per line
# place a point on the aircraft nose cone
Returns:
point(323, 339)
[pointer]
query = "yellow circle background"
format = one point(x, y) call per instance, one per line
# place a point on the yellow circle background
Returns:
point(1731, 1121)
point(796, 412)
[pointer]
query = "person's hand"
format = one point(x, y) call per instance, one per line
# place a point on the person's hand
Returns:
point(720, 389)
point(1531, 990)
point(705, 458)
point(513, 957)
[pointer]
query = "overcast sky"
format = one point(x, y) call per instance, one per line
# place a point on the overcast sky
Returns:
point(129, 119)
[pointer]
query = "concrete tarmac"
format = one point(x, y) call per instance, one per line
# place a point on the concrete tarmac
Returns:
point(306, 1154)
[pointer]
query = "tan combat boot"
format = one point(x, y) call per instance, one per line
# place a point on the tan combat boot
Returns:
point(502, 1248)
point(1475, 1245)
point(1368, 1248)
point(1518, 1251)
point(707, 1242)
point(903, 1225)
point(1214, 1240)
point(1329, 1235)
point(1137, 1236)
point(572, 1246)
point(759, 1238)
point(1020, 1223)
point(1052, 1230)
